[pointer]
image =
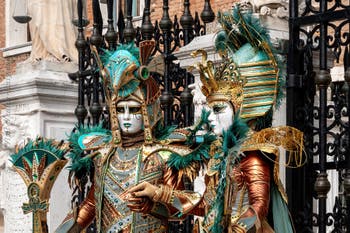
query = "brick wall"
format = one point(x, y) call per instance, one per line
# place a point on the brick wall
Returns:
point(176, 7)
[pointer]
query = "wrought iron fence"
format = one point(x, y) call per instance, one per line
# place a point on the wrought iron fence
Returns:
point(321, 109)
point(176, 98)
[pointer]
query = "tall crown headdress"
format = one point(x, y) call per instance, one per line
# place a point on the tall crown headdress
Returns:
point(248, 75)
point(126, 76)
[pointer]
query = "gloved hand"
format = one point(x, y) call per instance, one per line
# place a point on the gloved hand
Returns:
point(144, 189)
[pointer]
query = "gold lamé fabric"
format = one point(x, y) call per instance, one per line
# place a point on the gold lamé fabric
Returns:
point(254, 173)
point(251, 177)
point(86, 213)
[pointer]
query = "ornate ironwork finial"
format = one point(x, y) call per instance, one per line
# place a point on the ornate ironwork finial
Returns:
point(322, 185)
point(147, 27)
point(323, 78)
point(111, 36)
point(186, 22)
point(96, 37)
point(80, 42)
point(207, 14)
point(165, 23)
point(129, 31)
point(121, 26)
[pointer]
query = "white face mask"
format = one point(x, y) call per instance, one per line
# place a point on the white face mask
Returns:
point(221, 116)
point(129, 116)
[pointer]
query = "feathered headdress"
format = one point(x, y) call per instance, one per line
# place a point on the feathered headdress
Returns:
point(248, 75)
point(126, 75)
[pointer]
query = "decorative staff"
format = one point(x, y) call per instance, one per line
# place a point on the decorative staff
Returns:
point(39, 163)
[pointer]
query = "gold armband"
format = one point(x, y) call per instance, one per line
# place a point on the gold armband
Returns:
point(163, 194)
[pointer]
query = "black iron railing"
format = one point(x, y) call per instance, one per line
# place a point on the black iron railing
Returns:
point(318, 30)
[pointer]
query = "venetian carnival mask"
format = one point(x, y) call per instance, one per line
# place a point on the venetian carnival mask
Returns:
point(221, 116)
point(129, 117)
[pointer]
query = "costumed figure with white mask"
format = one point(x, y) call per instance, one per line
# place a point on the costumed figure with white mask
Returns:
point(243, 190)
point(134, 150)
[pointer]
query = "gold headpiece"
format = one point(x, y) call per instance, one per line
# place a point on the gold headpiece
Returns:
point(250, 86)
point(222, 83)
point(126, 76)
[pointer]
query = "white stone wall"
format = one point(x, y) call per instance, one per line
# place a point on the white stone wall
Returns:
point(40, 100)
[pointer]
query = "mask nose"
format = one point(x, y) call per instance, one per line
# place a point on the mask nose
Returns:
point(211, 116)
point(126, 113)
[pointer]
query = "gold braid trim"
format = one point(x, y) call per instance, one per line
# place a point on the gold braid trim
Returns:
point(268, 140)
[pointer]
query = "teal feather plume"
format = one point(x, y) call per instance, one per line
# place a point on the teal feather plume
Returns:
point(107, 54)
point(239, 29)
point(76, 155)
point(201, 152)
point(39, 144)
point(127, 54)
point(203, 121)
point(128, 88)
point(161, 132)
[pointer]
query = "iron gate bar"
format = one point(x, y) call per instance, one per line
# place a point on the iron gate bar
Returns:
point(321, 17)
point(347, 173)
point(302, 113)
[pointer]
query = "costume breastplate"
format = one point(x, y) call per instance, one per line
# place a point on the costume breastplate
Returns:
point(121, 170)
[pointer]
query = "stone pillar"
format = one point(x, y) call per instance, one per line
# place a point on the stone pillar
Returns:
point(39, 100)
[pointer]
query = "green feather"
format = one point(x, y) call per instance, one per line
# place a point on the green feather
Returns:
point(161, 132)
point(78, 161)
point(38, 144)
point(128, 88)
point(232, 140)
point(201, 152)
point(203, 121)
point(105, 56)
